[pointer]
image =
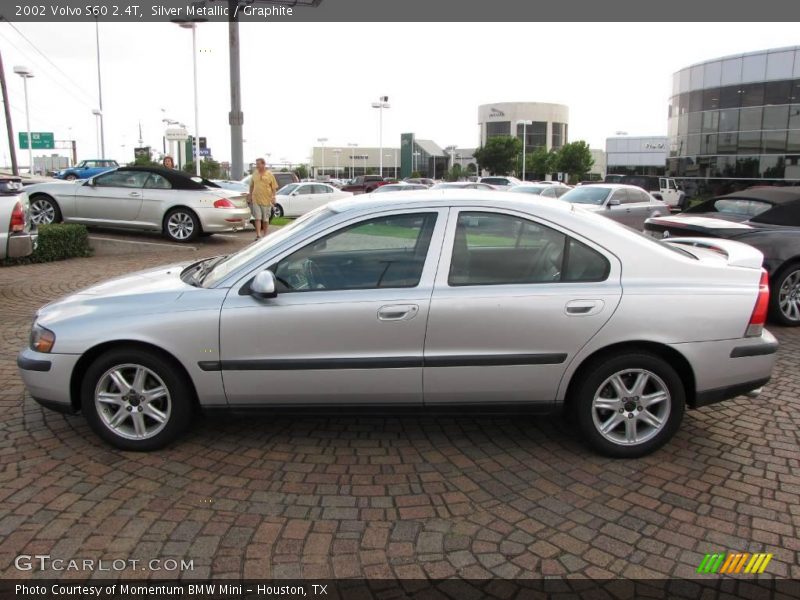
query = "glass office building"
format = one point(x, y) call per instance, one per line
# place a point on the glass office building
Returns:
point(735, 121)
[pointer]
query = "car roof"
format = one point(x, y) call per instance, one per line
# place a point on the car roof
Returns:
point(613, 186)
point(178, 180)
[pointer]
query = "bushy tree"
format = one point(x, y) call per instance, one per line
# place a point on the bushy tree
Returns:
point(500, 154)
point(454, 174)
point(540, 162)
point(575, 159)
point(301, 171)
point(209, 169)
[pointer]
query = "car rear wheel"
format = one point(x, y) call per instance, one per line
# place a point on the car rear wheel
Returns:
point(630, 405)
point(277, 211)
point(784, 296)
point(181, 225)
point(135, 400)
point(71, 177)
point(44, 211)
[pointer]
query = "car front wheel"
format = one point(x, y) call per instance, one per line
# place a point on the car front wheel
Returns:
point(277, 211)
point(630, 405)
point(784, 296)
point(181, 225)
point(44, 211)
point(135, 400)
point(71, 177)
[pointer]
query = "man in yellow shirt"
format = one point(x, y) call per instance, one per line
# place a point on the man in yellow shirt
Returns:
point(262, 196)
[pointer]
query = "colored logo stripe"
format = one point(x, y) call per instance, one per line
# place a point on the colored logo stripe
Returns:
point(734, 563)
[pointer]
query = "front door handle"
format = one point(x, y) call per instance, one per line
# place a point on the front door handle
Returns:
point(583, 308)
point(134, 194)
point(398, 312)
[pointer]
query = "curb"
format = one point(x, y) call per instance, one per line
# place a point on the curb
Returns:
point(104, 246)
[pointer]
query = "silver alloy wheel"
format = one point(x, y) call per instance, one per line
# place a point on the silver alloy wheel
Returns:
point(180, 225)
point(132, 401)
point(42, 212)
point(789, 296)
point(277, 211)
point(631, 407)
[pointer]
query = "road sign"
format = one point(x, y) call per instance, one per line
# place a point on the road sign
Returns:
point(176, 134)
point(40, 140)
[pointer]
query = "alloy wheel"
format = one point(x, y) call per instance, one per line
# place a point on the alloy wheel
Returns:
point(789, 296)
point(631, 407)
point(42, 212)
point(133, 401)
point(180, 226)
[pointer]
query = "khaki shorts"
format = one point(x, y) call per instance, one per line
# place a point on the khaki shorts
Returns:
point(260, 212)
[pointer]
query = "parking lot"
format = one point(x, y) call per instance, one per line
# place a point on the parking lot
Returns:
point(407, 496)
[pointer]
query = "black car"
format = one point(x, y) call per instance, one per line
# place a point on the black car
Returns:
point(765, 218)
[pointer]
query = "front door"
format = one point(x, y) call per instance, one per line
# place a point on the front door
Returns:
point(348, 323)
point(514, 300)
point(115, 197)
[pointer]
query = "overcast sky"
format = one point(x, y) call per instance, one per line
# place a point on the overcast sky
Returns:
point(302, 81)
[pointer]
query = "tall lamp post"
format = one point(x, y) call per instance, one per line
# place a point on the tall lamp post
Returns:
point(337, 152)
point(26, 74)
point(193, 26)
point(98, 114)
point(383, 102)
point(322, 141)
point(524, 143)
point(100, 91)
point(414, 162)
point(352, 159)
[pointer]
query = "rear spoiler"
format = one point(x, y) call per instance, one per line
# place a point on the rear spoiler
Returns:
point(736, 253)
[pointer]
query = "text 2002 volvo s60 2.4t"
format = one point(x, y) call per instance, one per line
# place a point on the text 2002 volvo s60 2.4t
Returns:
point(435, 298)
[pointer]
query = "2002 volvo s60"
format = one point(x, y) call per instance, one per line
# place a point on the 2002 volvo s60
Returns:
point(428, 298)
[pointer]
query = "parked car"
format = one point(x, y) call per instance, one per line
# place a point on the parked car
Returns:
point(297, 199)
point(540, 189)
point(662, 188)
point(426, 181)
point(767, 219)
point(363, 184)
point(282, 177)
point(627, 204)
point(145, 198)
point(463, 185)
point(227, 184)
point(399, 187)
point(438, 299)
point(16, 238)
point(501, 183)
point(86, 169)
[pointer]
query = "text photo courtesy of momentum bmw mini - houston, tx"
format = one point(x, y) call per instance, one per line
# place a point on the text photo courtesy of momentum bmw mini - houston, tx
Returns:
point(379, 300)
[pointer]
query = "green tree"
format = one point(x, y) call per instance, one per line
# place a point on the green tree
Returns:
point(500, 154)
point(540, 162)
point(454, 174)
point(209, 169)
point(575, 159)
point(301, 171)
point(144, 161)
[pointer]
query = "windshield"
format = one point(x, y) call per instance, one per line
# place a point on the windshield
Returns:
point(287, 189)
point(527, 189)
point(587, 195)
point(234, 261)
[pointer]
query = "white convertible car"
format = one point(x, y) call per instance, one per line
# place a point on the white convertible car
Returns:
point(145, 198)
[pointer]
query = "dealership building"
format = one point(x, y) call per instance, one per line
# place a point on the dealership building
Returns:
point(736, 120)
point(636, 155)
point(547, 128)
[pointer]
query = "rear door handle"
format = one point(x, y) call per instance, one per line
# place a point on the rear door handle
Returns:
point(398, 312)
point(583, 308)
point(134, 194)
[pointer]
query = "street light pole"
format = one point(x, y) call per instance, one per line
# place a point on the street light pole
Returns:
point(97, 115)
point(193, 26)
point(524, 143)
point(322, 141)
point(383, 102)
point(352, 159)
point(337, 152)
point(100, 91)
point(26, 74)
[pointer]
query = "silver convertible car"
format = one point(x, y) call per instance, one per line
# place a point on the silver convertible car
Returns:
point(145, 198)
point(432, 298)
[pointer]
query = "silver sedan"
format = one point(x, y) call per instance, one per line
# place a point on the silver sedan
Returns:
point(627, 204)
point(440, 299)
point(145, 198)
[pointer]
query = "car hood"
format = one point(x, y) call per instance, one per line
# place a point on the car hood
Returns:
point(157, 288)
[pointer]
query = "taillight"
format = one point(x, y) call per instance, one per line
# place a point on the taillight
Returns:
point(17, 219)
point(759, 316)
point(224, 203)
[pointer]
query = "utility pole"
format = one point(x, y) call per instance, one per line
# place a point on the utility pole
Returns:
point(100, 91)
point(235, 117)
point(12, 147)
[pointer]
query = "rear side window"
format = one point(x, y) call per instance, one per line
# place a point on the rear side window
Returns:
point(497, 249)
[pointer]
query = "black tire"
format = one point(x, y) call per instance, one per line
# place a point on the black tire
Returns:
point(181, 225)
point(179, 399)
point(37, 205)
point(778, 315)
point(71, 177)
point(277, 212)
point(593, 381)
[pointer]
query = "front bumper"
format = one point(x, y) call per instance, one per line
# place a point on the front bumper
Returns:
point(47, 377)
point(725, 369)
point(21, 244)
point(223, 219)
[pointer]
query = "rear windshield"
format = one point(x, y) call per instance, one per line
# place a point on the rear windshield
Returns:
point(741, 206)
point(587, 195)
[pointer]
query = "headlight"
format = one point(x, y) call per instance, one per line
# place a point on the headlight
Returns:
point(42, 339)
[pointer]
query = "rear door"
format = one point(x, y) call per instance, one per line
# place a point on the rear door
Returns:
point(514, 300)
point(115, 197)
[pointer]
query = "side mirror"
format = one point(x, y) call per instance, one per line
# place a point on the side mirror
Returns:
point(90, 182)
point(294, 193)
point(263, 285)
point(613, 202)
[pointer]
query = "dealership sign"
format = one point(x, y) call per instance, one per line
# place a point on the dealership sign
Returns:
point(496, 112)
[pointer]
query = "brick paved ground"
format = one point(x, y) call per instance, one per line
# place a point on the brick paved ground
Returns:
point(382, 497)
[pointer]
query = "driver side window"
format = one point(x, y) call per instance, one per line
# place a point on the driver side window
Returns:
point(387, 252)
point(124, 179)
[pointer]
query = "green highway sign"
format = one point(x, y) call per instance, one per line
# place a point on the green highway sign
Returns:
point(40, 140)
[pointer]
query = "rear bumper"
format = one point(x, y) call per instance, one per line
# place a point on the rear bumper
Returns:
point(223, 219)
point(21, 244)
point(725, 369)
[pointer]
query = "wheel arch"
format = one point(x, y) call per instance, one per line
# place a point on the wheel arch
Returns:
point(88, 357)
point(675, 359)
point(175, 207)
